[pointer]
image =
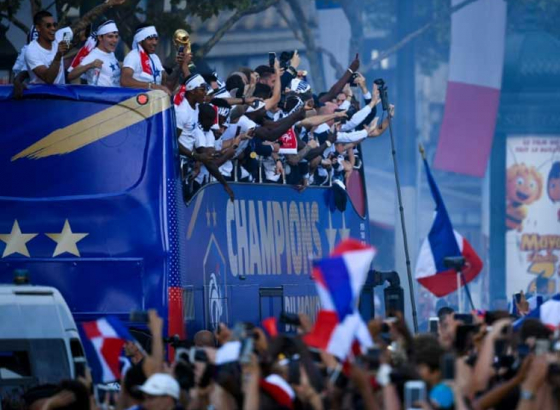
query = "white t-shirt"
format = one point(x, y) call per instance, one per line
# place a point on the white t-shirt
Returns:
point(109, 75)
point(244, 124)
point(132, 60)
point(204, 139)
point(20, 65)
point(189, 120)
point(36, 56)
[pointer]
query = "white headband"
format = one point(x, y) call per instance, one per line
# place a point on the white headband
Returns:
point(143, 34)
point(194, 82)
point(107, 27)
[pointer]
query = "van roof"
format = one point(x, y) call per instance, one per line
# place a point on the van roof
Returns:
point(33, 312)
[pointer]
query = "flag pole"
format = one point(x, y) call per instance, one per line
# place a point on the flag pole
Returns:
point(459, 292)
point(386, 107)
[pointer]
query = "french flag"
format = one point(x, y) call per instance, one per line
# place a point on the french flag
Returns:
point(548, 313)
point(90, 44)
point(277, 388)
point(339, 280)
point(103, 341)
point(473, 89)
point(442, 242)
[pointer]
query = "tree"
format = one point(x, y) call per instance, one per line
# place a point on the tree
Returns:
point(128, 15)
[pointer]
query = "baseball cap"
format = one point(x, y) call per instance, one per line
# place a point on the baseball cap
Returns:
point(161, 384)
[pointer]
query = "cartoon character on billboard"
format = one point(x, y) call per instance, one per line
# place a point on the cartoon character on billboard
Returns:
point(553, 184)
point(524, 186)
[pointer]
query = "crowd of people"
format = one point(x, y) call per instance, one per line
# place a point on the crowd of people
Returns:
point(468, 361)
point(253, 125)
point(268, 125)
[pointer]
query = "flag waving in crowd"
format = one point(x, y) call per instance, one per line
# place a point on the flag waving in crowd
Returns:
point(339, 280)
point(103, 341)
point(443, 242)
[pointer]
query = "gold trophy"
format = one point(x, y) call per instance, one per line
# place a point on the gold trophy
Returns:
point(182, 41)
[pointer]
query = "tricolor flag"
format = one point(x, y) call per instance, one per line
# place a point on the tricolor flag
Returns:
point(473, 89)
point(548, 313)
point(90, 44)
point(442, 242)
point(279, 389)
point(103, 341)
point(339, 280)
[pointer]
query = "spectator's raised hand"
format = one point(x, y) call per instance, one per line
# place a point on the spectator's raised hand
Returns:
point(155, 323)
point(223, 334)
point(296, 60)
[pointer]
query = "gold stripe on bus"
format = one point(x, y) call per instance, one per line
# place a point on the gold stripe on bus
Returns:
point(97, 126)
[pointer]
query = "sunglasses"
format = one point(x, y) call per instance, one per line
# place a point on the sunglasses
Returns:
point(49, 25)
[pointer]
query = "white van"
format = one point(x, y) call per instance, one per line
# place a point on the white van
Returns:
point(39, 341)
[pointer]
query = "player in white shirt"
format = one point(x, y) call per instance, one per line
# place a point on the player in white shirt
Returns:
point(43, 56)
point(100, 67)
point(142, 67)
point(188, 113)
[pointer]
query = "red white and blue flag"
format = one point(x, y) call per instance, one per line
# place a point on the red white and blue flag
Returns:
point(548, 313)
point(103, 341)
point(476, 61)
point(339, 280)
point(442, 242)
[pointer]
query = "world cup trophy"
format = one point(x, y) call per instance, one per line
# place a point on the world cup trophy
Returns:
point(182, 41)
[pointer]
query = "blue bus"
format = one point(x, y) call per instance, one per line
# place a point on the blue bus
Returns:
point(92, 204)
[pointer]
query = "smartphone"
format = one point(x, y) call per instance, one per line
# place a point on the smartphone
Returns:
point(448, 366)
point(246, 350)
point(542, 346)
point(66, 39)
point(463, 337)
point(197, 355)
point(294, 372)
point(517, 297)
point(500, 347)
point(271, 59)
point(181, 49)
point(466, 318)
point(290, 318)
point(139, 316)
point(315, 355)
point(414, 392)
point(434, 324)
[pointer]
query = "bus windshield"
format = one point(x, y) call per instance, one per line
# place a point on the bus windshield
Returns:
point(60, 148)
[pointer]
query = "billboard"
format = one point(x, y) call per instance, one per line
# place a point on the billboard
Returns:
point(532, 214)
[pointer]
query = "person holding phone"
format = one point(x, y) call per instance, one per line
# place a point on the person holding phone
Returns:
point(44, 56)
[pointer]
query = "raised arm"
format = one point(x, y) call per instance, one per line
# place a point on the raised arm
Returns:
point(339, 85)
point(277, 92)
